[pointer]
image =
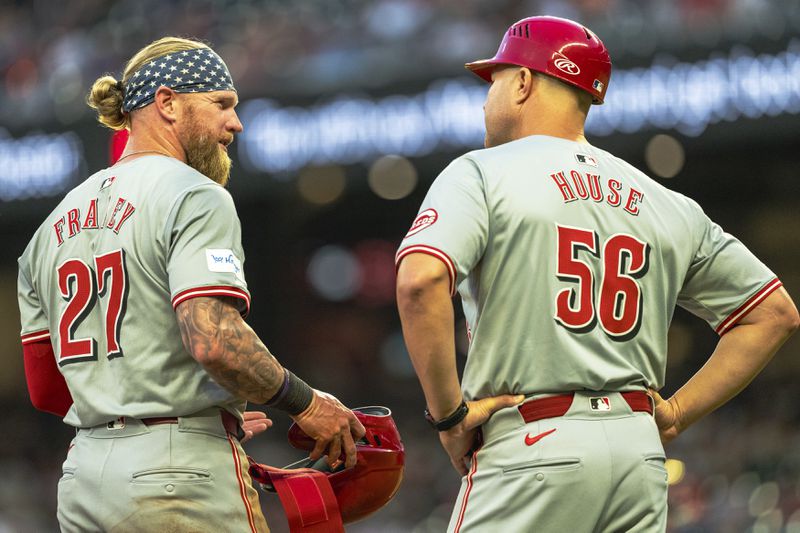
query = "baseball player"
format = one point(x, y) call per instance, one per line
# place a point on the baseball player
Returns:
point(132, 296)
point(569, 263)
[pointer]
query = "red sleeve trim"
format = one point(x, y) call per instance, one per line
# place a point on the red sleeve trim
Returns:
point(434, 252)
point(748, 306)
point(220, 290)
point(36, 336)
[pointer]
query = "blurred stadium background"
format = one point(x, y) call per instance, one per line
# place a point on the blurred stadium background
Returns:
point(351, 108)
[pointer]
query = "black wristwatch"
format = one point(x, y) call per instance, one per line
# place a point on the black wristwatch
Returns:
point(449, 421)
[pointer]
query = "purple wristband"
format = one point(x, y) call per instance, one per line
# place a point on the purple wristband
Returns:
point(294, 397)
point(278, 396)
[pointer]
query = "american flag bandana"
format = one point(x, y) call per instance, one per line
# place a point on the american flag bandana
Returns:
point(189, 71)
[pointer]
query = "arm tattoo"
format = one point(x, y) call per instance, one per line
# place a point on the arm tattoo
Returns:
point(228, 349)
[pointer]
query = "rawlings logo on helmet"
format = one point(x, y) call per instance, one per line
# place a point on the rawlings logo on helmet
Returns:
point(316, 498)
point(565, 65)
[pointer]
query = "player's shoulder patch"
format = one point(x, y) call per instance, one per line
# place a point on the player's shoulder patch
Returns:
point(224, 260)
point(424, 220)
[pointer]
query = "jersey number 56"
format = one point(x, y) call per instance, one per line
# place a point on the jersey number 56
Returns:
point(618, 306)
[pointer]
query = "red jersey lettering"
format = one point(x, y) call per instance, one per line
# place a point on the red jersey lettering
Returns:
point(634, 198)
point(614, 199)
point(59, 227)
point(595, 189)
point(111, 221)
point(73, 222)
point(563, 186)
point(580, 186)
point(90, 222)
point(129, 209)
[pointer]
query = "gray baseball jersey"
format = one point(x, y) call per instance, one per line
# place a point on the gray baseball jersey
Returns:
point(570, 262)
point(101, 278)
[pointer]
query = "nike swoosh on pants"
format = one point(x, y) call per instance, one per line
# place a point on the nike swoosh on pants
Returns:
point(530, 441)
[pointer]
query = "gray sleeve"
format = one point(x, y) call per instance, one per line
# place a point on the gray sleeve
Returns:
point(204, 247)
point(725, 280)
point(453, 221)
point(33, 320)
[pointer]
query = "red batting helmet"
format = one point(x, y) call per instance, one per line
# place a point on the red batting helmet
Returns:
point(305, 486)
point(557, 47)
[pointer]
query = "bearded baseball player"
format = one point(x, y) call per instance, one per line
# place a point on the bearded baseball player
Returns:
point(132, 296)
point(569, 263)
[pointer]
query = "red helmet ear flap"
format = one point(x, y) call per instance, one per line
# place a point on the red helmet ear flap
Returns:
point(381, 431)
point(306, 495)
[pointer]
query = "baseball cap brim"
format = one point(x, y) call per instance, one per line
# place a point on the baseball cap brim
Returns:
point(482, 68)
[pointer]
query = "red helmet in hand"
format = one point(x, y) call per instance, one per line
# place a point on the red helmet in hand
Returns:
point(357, 492)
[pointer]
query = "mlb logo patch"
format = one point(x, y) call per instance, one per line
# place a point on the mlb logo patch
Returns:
point(586, 159)
point(107, 182)
point(600, 404)
point(119, 423)
point(598, 85)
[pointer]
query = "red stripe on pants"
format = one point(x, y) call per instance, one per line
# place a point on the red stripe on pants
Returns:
point(242, 488)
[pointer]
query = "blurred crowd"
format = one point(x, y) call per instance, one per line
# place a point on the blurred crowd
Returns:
point(742, 472)
point(51, 52)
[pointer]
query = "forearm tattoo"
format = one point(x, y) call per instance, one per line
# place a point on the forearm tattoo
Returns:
point(228, 349)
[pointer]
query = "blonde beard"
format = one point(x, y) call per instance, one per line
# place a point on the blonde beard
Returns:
point(206, 156)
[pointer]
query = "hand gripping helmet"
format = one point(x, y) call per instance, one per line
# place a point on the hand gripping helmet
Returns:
point(557, 47)
point(318, 499)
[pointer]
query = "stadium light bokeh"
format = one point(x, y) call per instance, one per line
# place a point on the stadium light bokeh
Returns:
point(687, 97)
point(669, 95)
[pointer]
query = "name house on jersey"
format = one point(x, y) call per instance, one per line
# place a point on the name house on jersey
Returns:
point(588, 186)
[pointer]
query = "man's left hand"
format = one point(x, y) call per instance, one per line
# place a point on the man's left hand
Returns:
point(667, 416)
point(459, 440)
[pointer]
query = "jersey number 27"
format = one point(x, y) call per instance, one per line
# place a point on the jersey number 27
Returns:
point(618, 306)
point(80, 285)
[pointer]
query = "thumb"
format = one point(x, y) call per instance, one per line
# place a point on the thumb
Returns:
point(508, 400)
point(488, 406)
point(659, 403)
point(657, 399)
point(663, 411)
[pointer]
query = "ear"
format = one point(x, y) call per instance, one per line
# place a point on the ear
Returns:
point(524, 84)
point(166, 103)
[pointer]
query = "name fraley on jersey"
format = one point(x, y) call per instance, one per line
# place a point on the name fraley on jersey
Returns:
point(72, 219)
point(590, 186)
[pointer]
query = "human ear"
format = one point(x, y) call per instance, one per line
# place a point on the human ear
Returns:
point(166, 103)
point(524, 85)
